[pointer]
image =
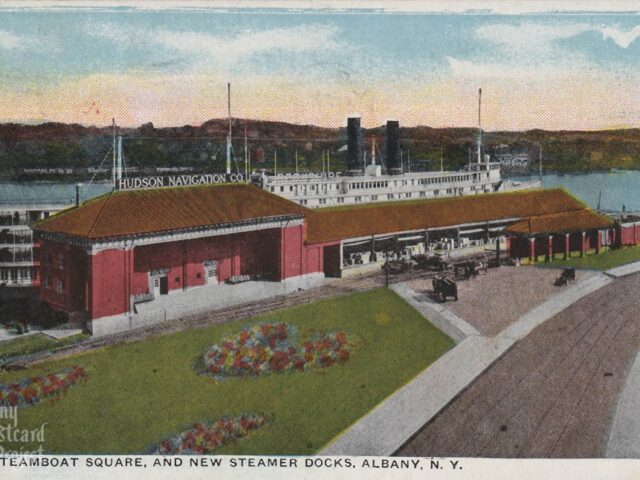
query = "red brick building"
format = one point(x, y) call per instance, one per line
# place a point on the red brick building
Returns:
point(104, 258)
point(131, 258)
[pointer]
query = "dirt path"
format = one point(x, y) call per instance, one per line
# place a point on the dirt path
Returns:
point(494, 301)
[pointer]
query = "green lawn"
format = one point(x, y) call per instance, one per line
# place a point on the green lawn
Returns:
point(604, 261)
point(139, 393)
point(35, 343)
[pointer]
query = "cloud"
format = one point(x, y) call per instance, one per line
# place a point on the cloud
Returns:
point(11, 41)
point(529, 38)
point(302, 38)
point(621, 38)
point(224, 50)
point(542, 38)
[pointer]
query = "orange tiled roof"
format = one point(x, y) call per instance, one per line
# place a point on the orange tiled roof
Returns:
point(131, 212)
point(370, 219)
point(561, 223)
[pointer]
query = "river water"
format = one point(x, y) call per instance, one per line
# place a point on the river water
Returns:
point(615, 190)
point(49, 193)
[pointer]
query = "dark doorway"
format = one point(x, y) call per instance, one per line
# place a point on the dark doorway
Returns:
point(164, 285)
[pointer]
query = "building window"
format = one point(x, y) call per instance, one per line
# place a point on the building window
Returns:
point(390, 196)
point(407, 195)
point(323, 201)
point(198, 275)
point(340, 199)
point(60, 286)
point(358, 199)
point(177, 279)
point(423, 194)
point(45, 282)
point(61, 261)
point(374, 197)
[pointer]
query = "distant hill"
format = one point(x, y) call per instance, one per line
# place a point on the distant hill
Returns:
point(25, 149)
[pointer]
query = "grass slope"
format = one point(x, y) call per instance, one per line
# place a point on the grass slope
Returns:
point(604, 261)
point(35, 343)
point(139, 393)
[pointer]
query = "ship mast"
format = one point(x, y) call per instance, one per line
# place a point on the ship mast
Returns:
point(115, 159)
point(229, 135)
point(480, 125)
point(246, 154)
point(373, 151)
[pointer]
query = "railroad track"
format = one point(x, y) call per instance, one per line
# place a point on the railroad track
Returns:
point(335, 288)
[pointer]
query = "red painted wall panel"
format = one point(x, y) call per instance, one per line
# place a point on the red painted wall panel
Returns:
point(107, 283)
point(71, 272)
point(109, 278)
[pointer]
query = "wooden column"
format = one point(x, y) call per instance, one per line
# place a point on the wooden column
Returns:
point(598, 241)
point(583, 238)
point(550, 249)
point(613, 238)
point(532, 249)
point(567, 245)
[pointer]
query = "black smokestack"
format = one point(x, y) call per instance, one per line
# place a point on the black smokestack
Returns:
point(392, 137)
point(354, 146)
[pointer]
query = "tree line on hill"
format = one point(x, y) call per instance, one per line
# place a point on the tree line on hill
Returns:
point(29, 152)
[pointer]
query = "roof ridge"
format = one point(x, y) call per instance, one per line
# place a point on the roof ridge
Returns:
point(561, 214)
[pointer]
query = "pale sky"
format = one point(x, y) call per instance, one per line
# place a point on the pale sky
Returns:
point(170, 67)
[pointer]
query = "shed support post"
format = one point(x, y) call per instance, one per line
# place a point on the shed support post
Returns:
point(550, 249)
point(582, 243)
point(532, 249)
point(598, 241)
point(567, 245)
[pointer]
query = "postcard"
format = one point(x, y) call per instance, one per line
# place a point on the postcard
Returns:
point(302, 239)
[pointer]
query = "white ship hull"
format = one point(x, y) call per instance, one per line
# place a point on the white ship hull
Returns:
point(330, 190)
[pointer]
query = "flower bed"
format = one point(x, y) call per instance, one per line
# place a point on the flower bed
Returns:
point(30, 391)
point(274, 348)
point(204, 438)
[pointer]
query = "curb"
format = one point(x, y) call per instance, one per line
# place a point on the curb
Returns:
point(401, 415)
point(624, 270)
point(624, 436)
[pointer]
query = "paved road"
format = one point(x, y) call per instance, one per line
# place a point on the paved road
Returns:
point(553, 394)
